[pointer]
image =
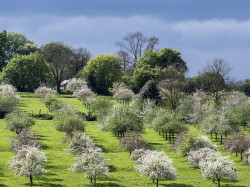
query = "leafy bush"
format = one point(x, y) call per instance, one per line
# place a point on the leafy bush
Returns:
point(121, 120)
point(17, 121)
point(194, 142)
point(68, 120)
point(53, 103)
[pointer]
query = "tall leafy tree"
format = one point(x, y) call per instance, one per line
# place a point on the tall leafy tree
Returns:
point(26, 72)
point(152, 63)
point(59, 57)
point(102, 71)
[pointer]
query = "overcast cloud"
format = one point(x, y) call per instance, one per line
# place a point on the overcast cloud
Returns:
point(199, 39)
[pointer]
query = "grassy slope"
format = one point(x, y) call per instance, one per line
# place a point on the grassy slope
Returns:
point(122, 168)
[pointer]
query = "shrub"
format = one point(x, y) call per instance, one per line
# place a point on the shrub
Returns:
point(121, 120)
point(17, 121)
point(194, 142)
point(53, 103)
point(68, 120)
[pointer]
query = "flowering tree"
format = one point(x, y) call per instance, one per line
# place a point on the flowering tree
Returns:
point(29, 163)
point(138, 154)
point(81, 143)
point(156, 165)
point(8, 99)
point(83, 94)
point(132, 142)
point(76, 84)
point(43, 91)
point(123, 94)
point(247, 154)
point(195, 157)
point(194, 142)
point(93, 164)
point(24, 138)
point(218, 167)
point(237, 142)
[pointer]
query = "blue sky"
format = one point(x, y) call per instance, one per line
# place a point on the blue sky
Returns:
point(200, 29)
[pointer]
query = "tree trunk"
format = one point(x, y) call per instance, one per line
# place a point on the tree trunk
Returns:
point(241, 154)
point(31, 181)
point(169, 137)
point(91, 179)
point(95, 181)
point(216, 136)
point(58, 87)
point(211, 134)
point(236, 153)
point(221, 139)
point(166, 136)
point(218, 182)
point(173, 138)
point(157, 182)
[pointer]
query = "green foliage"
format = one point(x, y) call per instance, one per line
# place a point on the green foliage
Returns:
point(68, 120)
point(149, 91)
point(7, 104)
point(240, 114)
point(152, 62)
point(26, 72)
point(17, 121)
point(193, 141)
point(53, 103)
point(245, 88)
point(102, 71)
point(10, 44)
point(122, 119)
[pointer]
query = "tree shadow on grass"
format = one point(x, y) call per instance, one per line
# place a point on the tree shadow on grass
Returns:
point(109, 184)
point(45, 184)
point(112, 168)
point(176, 185)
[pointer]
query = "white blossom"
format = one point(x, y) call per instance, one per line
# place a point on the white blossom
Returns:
point(218, 167)
point(43, 91)
point(93, 164)
point(83, 94)
point(81, 143)
point(123, 94)
point(194, 157)
point(76, 84)
point(8, 90)
point(29, 163)
point(156, 165)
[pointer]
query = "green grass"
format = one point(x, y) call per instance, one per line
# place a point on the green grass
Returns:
point(122, 171)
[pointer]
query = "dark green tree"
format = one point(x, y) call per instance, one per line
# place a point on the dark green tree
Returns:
point(102, 71)
point(26, 72)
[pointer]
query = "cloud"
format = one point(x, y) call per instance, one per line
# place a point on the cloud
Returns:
point(199, 41)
